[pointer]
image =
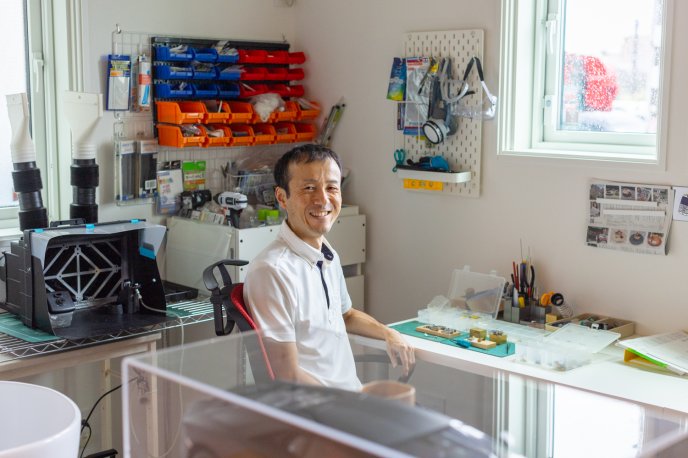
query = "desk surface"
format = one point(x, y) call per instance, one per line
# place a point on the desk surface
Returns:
point(607, 375)
point(187, 312)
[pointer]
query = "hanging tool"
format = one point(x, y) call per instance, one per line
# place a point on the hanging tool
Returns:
point(235, 202)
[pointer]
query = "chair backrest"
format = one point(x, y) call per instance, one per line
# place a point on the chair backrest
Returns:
point(229, 309)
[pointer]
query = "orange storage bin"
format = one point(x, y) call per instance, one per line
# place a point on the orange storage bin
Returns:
point(304, 132)
point(242, 135)
point(215, 112)
point(305, 113)
point(238, 112)
point(286, 132)
point(180, 112)
point(217, 141)
point(265, 133)
point(171, 135)
point(289, 113)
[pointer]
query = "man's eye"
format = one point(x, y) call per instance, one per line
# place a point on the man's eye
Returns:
point(333, 189)
point(309, 188)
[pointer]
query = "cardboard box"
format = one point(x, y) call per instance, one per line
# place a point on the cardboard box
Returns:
point(624, 327)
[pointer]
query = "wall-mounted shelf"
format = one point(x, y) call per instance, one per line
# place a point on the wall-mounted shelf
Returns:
point(444, 177)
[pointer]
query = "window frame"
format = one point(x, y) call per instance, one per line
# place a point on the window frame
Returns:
point(522, 90)
point(41, 93)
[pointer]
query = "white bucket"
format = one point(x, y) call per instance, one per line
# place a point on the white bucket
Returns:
point(36, 422)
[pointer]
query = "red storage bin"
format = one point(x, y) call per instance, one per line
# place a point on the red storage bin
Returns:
point(280, 89)
point(276, 57)
point(180, 112)
point(253, 73)
point(277, 73)
point(242, 135)
point(250, 90)
point(296, 58)
point(286, 132)
point(295, 74)
point(295, 91)
point(252, 56)
point(171, 135)
point(265, 134)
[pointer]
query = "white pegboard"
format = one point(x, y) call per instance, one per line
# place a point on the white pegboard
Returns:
point(463, 149)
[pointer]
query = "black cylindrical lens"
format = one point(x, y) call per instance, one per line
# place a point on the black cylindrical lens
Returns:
point(84, 179)
point(26, 178)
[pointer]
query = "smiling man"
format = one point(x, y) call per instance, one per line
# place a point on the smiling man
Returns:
point(295, 287)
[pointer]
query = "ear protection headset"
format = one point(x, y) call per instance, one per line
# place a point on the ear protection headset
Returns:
point(436, 130)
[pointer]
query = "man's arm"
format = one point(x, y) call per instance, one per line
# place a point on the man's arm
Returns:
point(283, 358)
point(361, 323)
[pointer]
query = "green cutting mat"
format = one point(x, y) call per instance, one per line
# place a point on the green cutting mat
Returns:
point(11, 325)
point(409, 328)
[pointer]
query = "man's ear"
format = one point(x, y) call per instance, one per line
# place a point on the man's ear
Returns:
point(281, 196)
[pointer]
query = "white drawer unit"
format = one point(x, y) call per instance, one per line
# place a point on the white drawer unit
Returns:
point(192, 246)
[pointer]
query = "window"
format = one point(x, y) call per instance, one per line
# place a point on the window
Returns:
point(591, 86)
point(22, 30)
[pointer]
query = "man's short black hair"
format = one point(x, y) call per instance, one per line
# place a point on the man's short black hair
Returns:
point(301, 154)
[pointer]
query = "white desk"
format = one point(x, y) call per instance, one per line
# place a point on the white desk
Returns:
point(611, 376)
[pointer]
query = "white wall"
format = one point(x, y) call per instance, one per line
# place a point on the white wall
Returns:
point(416, 239)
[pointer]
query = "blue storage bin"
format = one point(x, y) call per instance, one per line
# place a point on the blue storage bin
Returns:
point(229, 91)
point(205, 91)
point(165, 53)
point(228, 73)
point(228, 58)
point(205, 55)
point(204, 74)
point(171, 72)
point(173, 91)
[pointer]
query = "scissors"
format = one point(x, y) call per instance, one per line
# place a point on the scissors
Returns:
point(399, 157)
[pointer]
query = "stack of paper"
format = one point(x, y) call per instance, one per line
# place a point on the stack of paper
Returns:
point(669, 351)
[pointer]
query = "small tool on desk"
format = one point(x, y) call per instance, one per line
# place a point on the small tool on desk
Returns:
point(399, 158)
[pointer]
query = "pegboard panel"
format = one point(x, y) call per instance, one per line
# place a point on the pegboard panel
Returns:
point(463, 149)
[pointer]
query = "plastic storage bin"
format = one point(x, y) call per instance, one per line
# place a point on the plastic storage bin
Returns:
point(216, 141)
point(238, 112)
point(265, 134)
point(304, 132)
point(204, 72)
point(228, 91)
point(289, 113)
point(181, 112)
point(173, 90)
point(171, 135)
point(286, 132)
point(253, 73)
point(242, 135)
point(307, 113)
point(250, 90)
point(252, 56)
point(228, 73)
point(168, 72)
point(163, 52)
point(205, 55)
point(295, 74)
point(276, 57)
point(215, 112)
point(296, 58)
point(277, 74)
point(205, 90)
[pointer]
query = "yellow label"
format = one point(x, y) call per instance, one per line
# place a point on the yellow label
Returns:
point(423, 184)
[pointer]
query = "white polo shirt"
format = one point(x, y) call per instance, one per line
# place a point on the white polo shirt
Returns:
point(285, 292)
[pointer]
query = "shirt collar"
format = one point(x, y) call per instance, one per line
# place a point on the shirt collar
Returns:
point(301, 248)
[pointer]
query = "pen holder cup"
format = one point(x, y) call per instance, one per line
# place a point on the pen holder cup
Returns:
point(391, 389)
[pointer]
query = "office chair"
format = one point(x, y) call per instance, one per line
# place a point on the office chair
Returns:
point(229, 309)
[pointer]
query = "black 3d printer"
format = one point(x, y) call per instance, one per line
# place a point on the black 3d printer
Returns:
point(85, 280)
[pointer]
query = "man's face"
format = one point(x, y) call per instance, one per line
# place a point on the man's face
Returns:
point(314, 199)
